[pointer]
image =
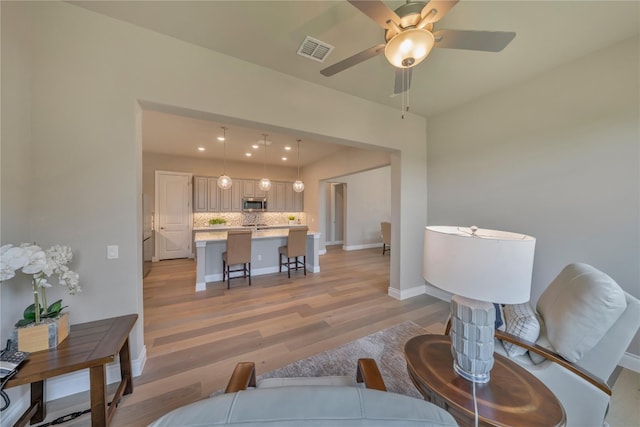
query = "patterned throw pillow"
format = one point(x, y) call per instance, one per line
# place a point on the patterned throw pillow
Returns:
point(522, 322)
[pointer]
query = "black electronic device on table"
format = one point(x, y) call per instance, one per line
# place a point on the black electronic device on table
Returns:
point(10, 360)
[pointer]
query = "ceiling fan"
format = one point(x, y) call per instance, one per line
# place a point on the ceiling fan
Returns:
point(410, 36)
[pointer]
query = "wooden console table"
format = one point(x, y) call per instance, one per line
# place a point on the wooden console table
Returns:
point(90, 346)
point(513, 396)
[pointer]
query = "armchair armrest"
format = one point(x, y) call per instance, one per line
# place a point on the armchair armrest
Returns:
point(369, 373)
point(556, 358)
point(243, 376)
point(550, 355)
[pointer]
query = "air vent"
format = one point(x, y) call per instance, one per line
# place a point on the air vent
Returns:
point(314, 49)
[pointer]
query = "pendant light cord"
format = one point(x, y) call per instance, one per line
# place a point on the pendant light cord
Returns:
point(265, 154)
point(224, 164)
point(298, 159)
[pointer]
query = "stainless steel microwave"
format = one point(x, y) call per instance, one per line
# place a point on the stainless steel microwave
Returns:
point(254, 204)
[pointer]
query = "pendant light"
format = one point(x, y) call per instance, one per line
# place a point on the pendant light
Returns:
point(265, 183)
point(298, 186)
point(224, 181)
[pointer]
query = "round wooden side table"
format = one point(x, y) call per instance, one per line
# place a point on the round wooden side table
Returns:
point(512, 397)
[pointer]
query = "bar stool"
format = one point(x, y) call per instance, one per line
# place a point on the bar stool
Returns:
point(296, 247)
point(238, 252)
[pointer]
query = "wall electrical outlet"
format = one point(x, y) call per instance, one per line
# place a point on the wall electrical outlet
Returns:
point(259, 257)
point(112, 252)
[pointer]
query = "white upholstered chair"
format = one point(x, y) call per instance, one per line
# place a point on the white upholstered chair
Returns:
point(315, 401)
point(586, 323)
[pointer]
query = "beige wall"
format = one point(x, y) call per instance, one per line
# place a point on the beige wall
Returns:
point(556, 157)
point(16, 156)
point(88, 75)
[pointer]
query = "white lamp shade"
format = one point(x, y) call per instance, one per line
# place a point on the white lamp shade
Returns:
point(409, 48)
point(493, 266)
point(224, 182)
point(265, 184)
point(298, 186)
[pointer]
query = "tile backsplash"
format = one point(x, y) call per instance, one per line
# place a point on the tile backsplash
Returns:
point(201, 219)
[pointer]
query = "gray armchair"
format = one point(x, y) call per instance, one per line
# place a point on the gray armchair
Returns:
point(586, 324)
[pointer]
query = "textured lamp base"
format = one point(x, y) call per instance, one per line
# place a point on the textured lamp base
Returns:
point(472, 332)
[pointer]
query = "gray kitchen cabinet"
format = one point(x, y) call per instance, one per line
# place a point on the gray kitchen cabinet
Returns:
point(276, 199)
point(208, 197)
point(236, 195)
point(213, 202)
point(226, 204)
point(250, 188)
point(293, 200)
point(200, 194)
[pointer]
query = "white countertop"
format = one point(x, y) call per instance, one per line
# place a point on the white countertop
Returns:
point(221, 235)
point(240, 227)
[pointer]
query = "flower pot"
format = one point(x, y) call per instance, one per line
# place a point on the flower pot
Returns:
point(292, 222)
point(43, 336)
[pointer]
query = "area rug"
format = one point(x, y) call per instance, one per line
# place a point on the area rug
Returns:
point(386, 347)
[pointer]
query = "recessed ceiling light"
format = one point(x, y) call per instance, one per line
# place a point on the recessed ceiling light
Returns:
point(255, 146)
point(286, 147)
point(201, 148)
point(247, 154)
point(221, 138)
point(284, 158)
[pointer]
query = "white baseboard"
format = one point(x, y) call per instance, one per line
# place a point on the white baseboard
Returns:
point(631, 362)
point(358, 247)
point(405, 293)
point(65, 385)
point(438, 293)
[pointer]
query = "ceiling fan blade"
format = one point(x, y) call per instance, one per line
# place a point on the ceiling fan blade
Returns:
point(352, 60)
point(377, 11)
point(434, 11)
point(488, 41)
point(403, 80)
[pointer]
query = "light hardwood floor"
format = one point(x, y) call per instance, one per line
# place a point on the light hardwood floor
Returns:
point(194, 340)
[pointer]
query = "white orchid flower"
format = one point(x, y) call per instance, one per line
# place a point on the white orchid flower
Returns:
point(37, 261)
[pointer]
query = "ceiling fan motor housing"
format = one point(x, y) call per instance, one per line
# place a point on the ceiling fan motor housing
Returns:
point(411, 45)
point(410, 15)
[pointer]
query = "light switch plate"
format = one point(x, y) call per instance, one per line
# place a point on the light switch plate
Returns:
point(112, 252)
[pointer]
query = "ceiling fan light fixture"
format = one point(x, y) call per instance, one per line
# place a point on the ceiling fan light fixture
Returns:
point(409, 48)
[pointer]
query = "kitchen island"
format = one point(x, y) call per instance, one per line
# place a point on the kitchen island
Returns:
point(264, 253)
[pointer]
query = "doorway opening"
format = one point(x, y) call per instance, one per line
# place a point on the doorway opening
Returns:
point(336, 208)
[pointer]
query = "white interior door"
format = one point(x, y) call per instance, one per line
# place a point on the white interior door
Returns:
point(173, 205)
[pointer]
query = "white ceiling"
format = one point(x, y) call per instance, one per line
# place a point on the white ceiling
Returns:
point(269, 33)
point(182, 135)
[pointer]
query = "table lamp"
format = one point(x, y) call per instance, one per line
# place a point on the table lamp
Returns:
point(479, 267)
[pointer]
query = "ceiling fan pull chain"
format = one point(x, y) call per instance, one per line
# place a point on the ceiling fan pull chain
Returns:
point(405, 92)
